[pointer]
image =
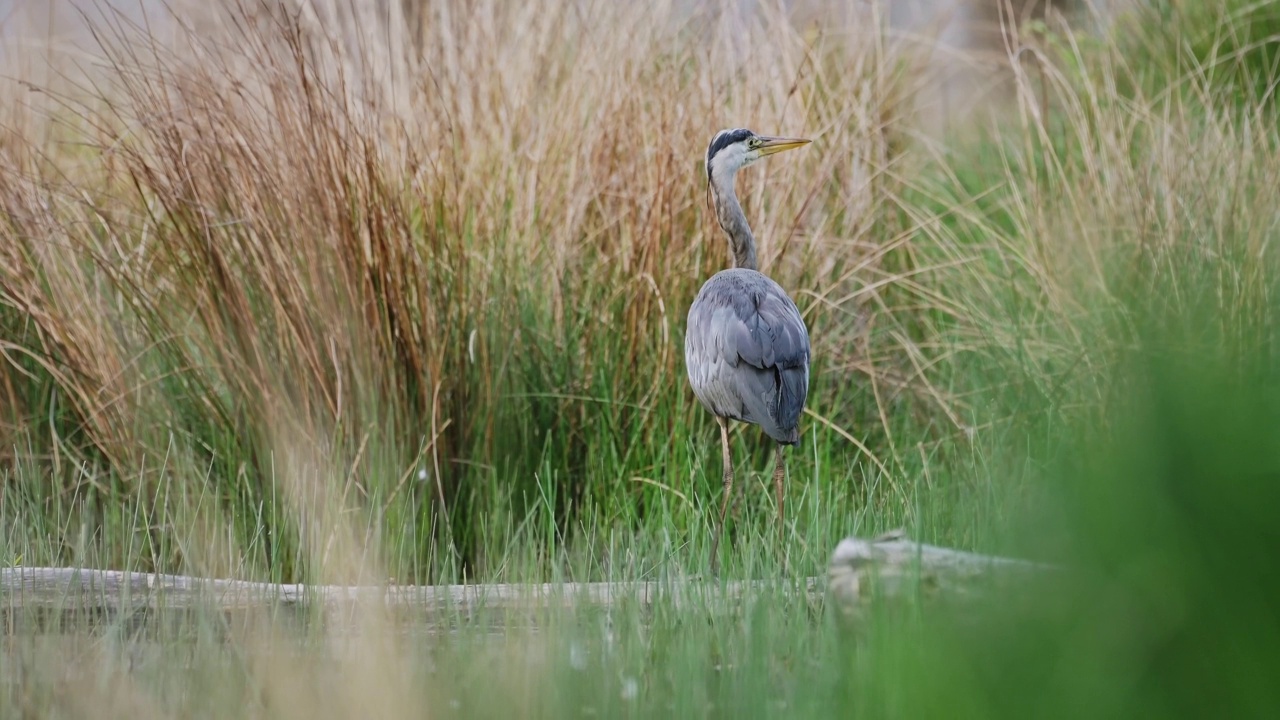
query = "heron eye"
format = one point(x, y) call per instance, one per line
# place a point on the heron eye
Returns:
point(753, 143)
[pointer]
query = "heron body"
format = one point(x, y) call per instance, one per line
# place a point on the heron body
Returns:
point(747, 353)
point(746, 345)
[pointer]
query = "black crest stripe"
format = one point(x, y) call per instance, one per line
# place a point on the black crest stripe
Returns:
point(724, 139)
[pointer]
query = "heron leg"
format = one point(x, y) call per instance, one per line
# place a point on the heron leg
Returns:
point(779, 475)
point(737, 503)
point(728, 493)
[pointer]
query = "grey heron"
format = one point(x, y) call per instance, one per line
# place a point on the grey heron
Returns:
point(746, 348)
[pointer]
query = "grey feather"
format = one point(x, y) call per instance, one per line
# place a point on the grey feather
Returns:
point(747, 352)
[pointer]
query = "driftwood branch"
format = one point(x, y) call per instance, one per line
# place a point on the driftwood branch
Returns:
point(894, 565)
point(890, 563)
point(111, 590)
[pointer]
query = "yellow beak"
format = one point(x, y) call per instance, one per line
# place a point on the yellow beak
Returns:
point(771, 145)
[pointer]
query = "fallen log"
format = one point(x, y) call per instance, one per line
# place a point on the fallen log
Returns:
point(111, 590)
point(893, 565)
point(890, 563)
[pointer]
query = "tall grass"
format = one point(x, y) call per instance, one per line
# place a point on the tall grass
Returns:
point(417, 280)
point(451, 267)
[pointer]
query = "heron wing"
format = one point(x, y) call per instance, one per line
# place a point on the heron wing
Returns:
point(762, 329)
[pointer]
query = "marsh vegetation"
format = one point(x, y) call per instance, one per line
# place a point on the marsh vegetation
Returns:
point(295, 296)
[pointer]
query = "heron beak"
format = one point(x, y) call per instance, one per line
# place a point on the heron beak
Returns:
point(771, 145)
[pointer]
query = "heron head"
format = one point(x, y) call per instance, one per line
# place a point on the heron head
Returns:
point(732, 150)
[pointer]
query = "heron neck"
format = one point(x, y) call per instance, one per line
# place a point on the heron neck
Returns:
point(734, 222)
